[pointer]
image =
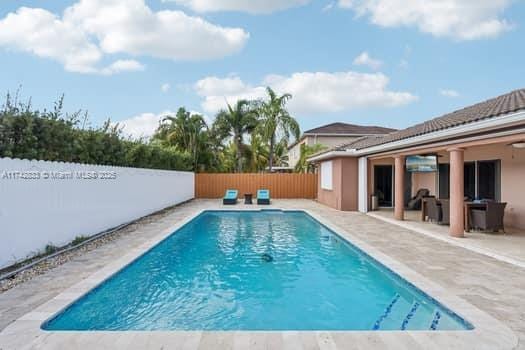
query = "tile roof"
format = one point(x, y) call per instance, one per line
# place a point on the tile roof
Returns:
point(508, 103)
point(349, 129)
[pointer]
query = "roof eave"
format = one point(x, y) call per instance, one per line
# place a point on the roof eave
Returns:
point(460, 130)
point(331, 155)
point(515, 118)
point(343, 134)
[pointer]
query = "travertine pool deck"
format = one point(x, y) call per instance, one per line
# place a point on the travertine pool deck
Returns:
point(488, 292)
point(508, 247)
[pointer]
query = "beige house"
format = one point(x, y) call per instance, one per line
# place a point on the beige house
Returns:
point(470, 163)
point(332, 135)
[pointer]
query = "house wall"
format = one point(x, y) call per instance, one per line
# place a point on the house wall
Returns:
point(329, 141)
point(294, 153)
point(424, 180)
point(512, 177)
point(419, 180)
point(344, 193)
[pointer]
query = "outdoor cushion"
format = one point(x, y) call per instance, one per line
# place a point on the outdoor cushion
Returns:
point(263, 196)
point(230, 197)
point(231, 194)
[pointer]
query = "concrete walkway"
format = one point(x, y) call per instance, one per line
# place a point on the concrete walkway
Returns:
point(493, 286)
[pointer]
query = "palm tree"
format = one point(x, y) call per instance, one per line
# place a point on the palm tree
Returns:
point(187, 132)
point(258, 153)
point(235, 122)
point(280, 154)
point(274, 119)
point(303, 166)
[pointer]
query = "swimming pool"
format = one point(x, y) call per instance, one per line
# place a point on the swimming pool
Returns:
point(255, 270)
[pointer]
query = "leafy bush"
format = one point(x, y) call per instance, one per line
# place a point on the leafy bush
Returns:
point(26, 133)
point(78, 240)
point(50, 249)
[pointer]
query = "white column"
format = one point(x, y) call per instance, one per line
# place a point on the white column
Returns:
point(399, 188)
point(363, 184)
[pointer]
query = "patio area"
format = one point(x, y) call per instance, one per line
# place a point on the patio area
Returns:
point(508, 247)
point(487, 284)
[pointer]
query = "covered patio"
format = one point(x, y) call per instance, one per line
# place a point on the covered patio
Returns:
point(508, 247)
point(465, 176)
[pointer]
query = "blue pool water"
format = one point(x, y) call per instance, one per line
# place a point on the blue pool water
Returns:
point(257, 270)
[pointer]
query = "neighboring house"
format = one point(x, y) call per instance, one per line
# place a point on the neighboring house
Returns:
point(332, 135)
point(478, 153)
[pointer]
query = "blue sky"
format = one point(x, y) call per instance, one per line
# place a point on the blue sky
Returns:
point(384, 62)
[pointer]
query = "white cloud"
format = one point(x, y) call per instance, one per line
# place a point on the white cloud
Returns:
point(252, 6)
point(329, 6)
point(457, 19)
point(123, 66)
point(43, 34)
point(318, 92)
point(449, 93)
point(90, 30)
point(165, 87)
point(403, 63)
point(364, 59)
point(218, 92)
point(143, 125)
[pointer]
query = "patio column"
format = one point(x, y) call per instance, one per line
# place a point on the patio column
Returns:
point(399, 184)
point(457, 184)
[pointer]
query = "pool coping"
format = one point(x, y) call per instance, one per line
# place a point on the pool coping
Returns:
point(488, 332)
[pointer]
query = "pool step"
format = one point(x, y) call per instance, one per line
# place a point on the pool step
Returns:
point(435, 321)
point(393, 319)
point(410, 315)
point(403, 315)
point(385, 314)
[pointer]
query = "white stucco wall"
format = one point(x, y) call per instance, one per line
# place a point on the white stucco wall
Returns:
point(37, 212)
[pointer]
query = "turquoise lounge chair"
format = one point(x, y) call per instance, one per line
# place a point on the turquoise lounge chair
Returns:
point(230, 197)
point(263, 196)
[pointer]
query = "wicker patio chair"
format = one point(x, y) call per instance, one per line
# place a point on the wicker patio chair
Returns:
point(433, 210)
point(490, 219)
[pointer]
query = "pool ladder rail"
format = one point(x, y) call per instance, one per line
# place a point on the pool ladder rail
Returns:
point(409, 316)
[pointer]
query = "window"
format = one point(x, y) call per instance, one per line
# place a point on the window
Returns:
point(326, 175)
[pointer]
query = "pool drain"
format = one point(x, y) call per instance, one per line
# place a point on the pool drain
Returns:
point(266, 257)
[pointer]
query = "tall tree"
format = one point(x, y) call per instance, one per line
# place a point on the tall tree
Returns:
point(235, 122)
point(303, 166)
point(188, 133)
point(275, 119)
point(258, 153)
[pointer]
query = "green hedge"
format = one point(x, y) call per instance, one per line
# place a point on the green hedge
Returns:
point(49, 135)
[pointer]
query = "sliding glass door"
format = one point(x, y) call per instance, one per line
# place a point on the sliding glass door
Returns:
point(470, 180)
point(444, 180)
point(481, 180)
point(383, 181)
point(488, 179)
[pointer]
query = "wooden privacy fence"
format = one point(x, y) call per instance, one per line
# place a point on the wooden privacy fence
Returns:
point(280, 185)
